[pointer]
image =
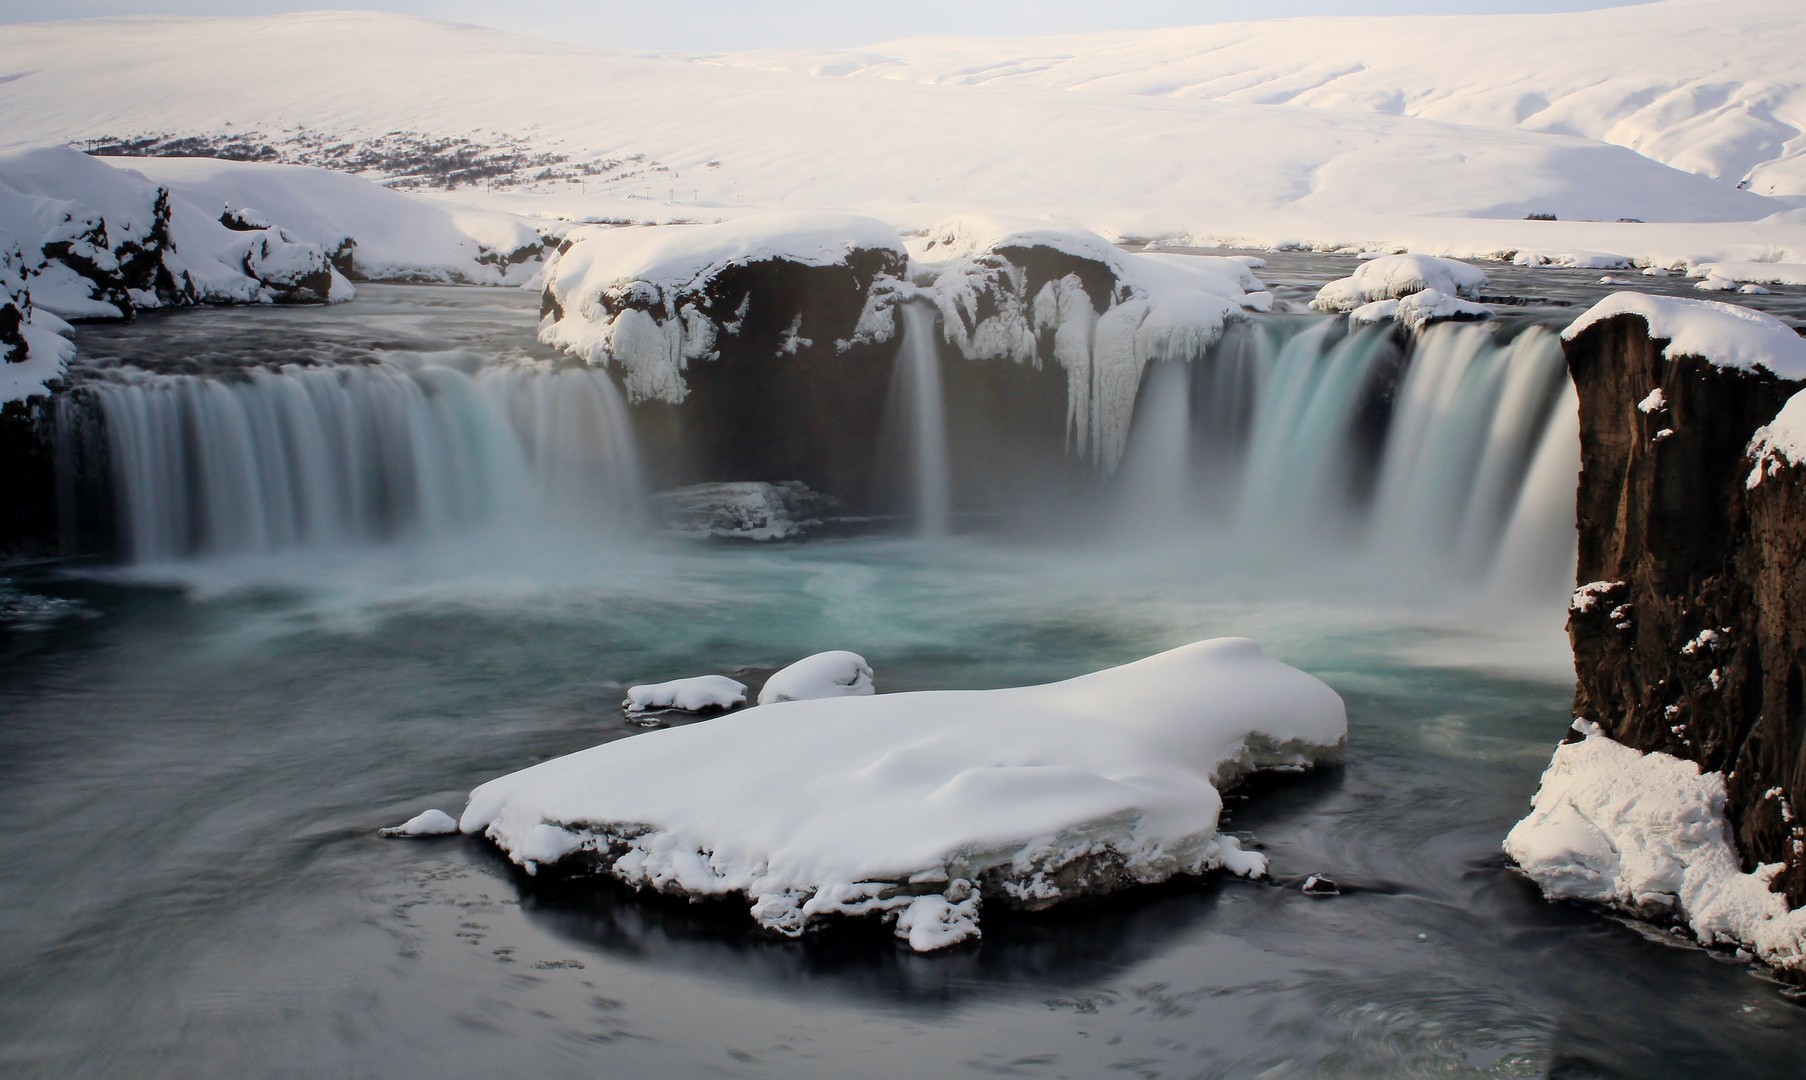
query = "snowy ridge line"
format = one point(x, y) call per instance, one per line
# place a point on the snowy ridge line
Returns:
point(1647, 834)
point(1689, 83)
point(733, 136)
point(922, 807)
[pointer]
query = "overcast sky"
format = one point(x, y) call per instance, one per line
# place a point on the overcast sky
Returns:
point(722, 25)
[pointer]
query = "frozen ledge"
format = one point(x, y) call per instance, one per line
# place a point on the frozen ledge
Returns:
point(921, 807)
point(1647, 834)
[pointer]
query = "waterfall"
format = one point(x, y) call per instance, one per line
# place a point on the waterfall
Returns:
point(1453, 450)
point(930, 474)
point(269, 460)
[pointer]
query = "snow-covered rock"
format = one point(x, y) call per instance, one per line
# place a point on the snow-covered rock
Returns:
point(426, 823)
point(1420, 309)
point(1647, 833)
point(370, 232)
point(96, 242)
point(1393, 277)
point(702, 693)
point(654, 300)
point(923, 806)
point(1726, 334)
point(34, 344)
point(740, 510)
point(1032, 293)
point(824, 675)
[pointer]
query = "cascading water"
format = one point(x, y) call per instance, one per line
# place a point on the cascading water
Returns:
point(331, 456)
point(1310, 437)
point(931, 476)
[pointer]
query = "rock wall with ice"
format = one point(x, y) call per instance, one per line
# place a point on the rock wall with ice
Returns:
point(1689, 628)
point(925, 807)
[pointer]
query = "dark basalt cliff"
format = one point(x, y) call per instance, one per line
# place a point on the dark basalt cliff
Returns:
point(1689, 627)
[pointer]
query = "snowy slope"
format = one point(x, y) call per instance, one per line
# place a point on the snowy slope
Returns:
point(1712, 88)
point(381, 92)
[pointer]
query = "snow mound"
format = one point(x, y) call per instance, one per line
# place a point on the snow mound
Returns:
point(1725, 334)
point(703, 693)
point(1393, 277)
point(1647, 833)
point(1027, 292)
point(646, 298)
point(923, 806)
point(824, 675)
point(1420, 309)
point(428, 823)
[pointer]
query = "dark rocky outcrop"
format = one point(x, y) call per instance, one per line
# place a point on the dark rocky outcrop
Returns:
point(1689, 629)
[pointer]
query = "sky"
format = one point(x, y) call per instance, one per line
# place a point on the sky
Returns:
point(728, 25)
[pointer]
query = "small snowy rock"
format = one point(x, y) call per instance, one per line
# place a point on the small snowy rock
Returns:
point(703, 693)
point(428, 823)
point(1394, 277)
point(1318, 885)
point(824, 675)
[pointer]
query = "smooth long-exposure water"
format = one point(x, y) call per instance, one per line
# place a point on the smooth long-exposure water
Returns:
point(195, 757)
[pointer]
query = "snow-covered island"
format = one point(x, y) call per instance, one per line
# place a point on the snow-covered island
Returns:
point(923, 807)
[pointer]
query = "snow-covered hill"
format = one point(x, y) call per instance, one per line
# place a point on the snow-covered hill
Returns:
point(1713, 88)
point(431, 102)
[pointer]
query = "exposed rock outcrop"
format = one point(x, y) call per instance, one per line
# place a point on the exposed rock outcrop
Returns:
point(1689, 626)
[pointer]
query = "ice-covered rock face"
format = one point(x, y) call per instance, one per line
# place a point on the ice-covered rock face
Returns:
point(652, 301)
point(824, 675)
point(1032, 294)
point(1394, 277)
point(922, 807)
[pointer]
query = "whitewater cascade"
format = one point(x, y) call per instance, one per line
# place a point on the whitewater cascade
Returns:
point(271, 460)
point(1294, 437)
point(1457, 454)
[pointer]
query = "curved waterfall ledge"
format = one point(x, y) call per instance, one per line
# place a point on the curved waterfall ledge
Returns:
point(923, 807)
point(1689, 628)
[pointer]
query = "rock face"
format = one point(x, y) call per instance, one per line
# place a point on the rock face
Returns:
point(1689, 626)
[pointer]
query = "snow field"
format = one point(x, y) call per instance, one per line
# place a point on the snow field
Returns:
point(922, 807)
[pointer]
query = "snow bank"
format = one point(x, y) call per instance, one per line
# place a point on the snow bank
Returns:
point(1393, 277)
point(824, 675)
point(646, 298)
point(378, 234)
point(1025, 291)
point(703, 693)
point(1760, 273)
point(1647, 833)
point(1727, 335)
point(923, 806)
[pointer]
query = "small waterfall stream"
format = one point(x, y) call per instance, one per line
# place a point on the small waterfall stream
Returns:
point(930, 475)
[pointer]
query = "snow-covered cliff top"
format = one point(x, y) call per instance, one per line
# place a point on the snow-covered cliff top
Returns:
point(1727, 335)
